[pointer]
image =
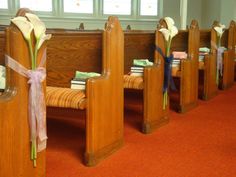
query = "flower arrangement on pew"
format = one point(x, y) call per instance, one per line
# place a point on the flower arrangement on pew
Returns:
point(169, 33)
point(37, 74)
point(220, 50)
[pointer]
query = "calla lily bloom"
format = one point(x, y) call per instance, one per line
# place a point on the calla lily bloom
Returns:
point(24, 26)
point(169, 33)
point(166, 33)
point(39, 27)
point(170, 22)
point(173, 31)
point(42, 39)
point(219, 30)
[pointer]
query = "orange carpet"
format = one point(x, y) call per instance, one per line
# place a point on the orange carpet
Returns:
point(200, 143)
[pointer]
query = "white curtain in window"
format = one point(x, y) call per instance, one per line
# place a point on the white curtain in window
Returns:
point(3, 4)
point(78, 6)
point(119, 7)
point(148, 7)
point(37, 5)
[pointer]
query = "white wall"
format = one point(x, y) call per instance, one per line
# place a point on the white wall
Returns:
point(171, 8)
point(194, 11)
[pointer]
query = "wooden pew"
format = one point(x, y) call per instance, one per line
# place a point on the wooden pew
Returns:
point(235, 50)
point(186, 75)
point(141, 45)
point(207, 68)
point(2, 46)
point(14, 132)
point(2, 50)
point(227, 41)
point(95, 51)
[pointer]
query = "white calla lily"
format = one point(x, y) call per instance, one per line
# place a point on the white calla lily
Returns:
point(166, 33)
point(39, 27)
point(219, 30)
point(173, 31)
point(42, 39)
point(24, 26)
point(222, 26)
point(170, 22)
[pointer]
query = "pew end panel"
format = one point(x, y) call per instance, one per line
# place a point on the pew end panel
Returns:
point(186, 74)
point(154, 114)
point(141, 45)
point(105, 98)
point(227, 41)
point(227, 80)
point(14, 133)
point(210, 86)
point(207, 75)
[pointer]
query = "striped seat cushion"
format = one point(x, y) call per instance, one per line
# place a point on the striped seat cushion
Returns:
point(65, 98)
point(133, 82)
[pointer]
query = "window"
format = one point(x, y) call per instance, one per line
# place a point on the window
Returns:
point(78, 6)
point(118, 7)
point(3, 4)
point(37, 5)
point(148, 7)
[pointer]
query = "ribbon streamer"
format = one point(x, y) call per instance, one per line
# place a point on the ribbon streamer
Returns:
point(36, 106)
point(168, 79)
point(219, 59)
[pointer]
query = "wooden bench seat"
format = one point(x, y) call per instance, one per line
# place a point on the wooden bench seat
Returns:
point(133, 82)
point(65, 98)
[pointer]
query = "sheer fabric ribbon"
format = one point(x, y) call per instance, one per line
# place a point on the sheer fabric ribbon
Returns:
point(36, 106)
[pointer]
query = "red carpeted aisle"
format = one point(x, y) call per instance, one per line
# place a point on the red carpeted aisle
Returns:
point(200, 143)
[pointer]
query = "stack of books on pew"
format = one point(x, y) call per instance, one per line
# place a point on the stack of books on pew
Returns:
point(2, 78)
point(79, 81)
point(202, 52)
point(138, 66)
point(177, 57)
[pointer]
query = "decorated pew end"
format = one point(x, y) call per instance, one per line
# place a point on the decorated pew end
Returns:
point(147, 88)
point(89, 51)
point(226, 74)
point(15, 135)
point(185, 73)
point(208, 87)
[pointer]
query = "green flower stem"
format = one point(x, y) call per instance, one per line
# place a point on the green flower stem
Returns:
point(34, 152)
point(217, 77)
point(31, 54)
point(168, 47)
point(36, 51)
point(165, 100)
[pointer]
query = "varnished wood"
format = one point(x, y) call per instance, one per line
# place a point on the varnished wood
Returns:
point(207, 74)
point(2, 47)
point(92, 51)
point(227, 40)
point(72, 51)
point(141, 45)
point(14, 132)
point(186, 79)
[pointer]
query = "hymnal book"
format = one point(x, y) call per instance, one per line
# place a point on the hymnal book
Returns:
point(78, 83)
point(136, 71)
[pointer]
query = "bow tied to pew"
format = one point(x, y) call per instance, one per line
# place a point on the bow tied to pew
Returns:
point(220, 28)
point(168, 31)
point(36, 75)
